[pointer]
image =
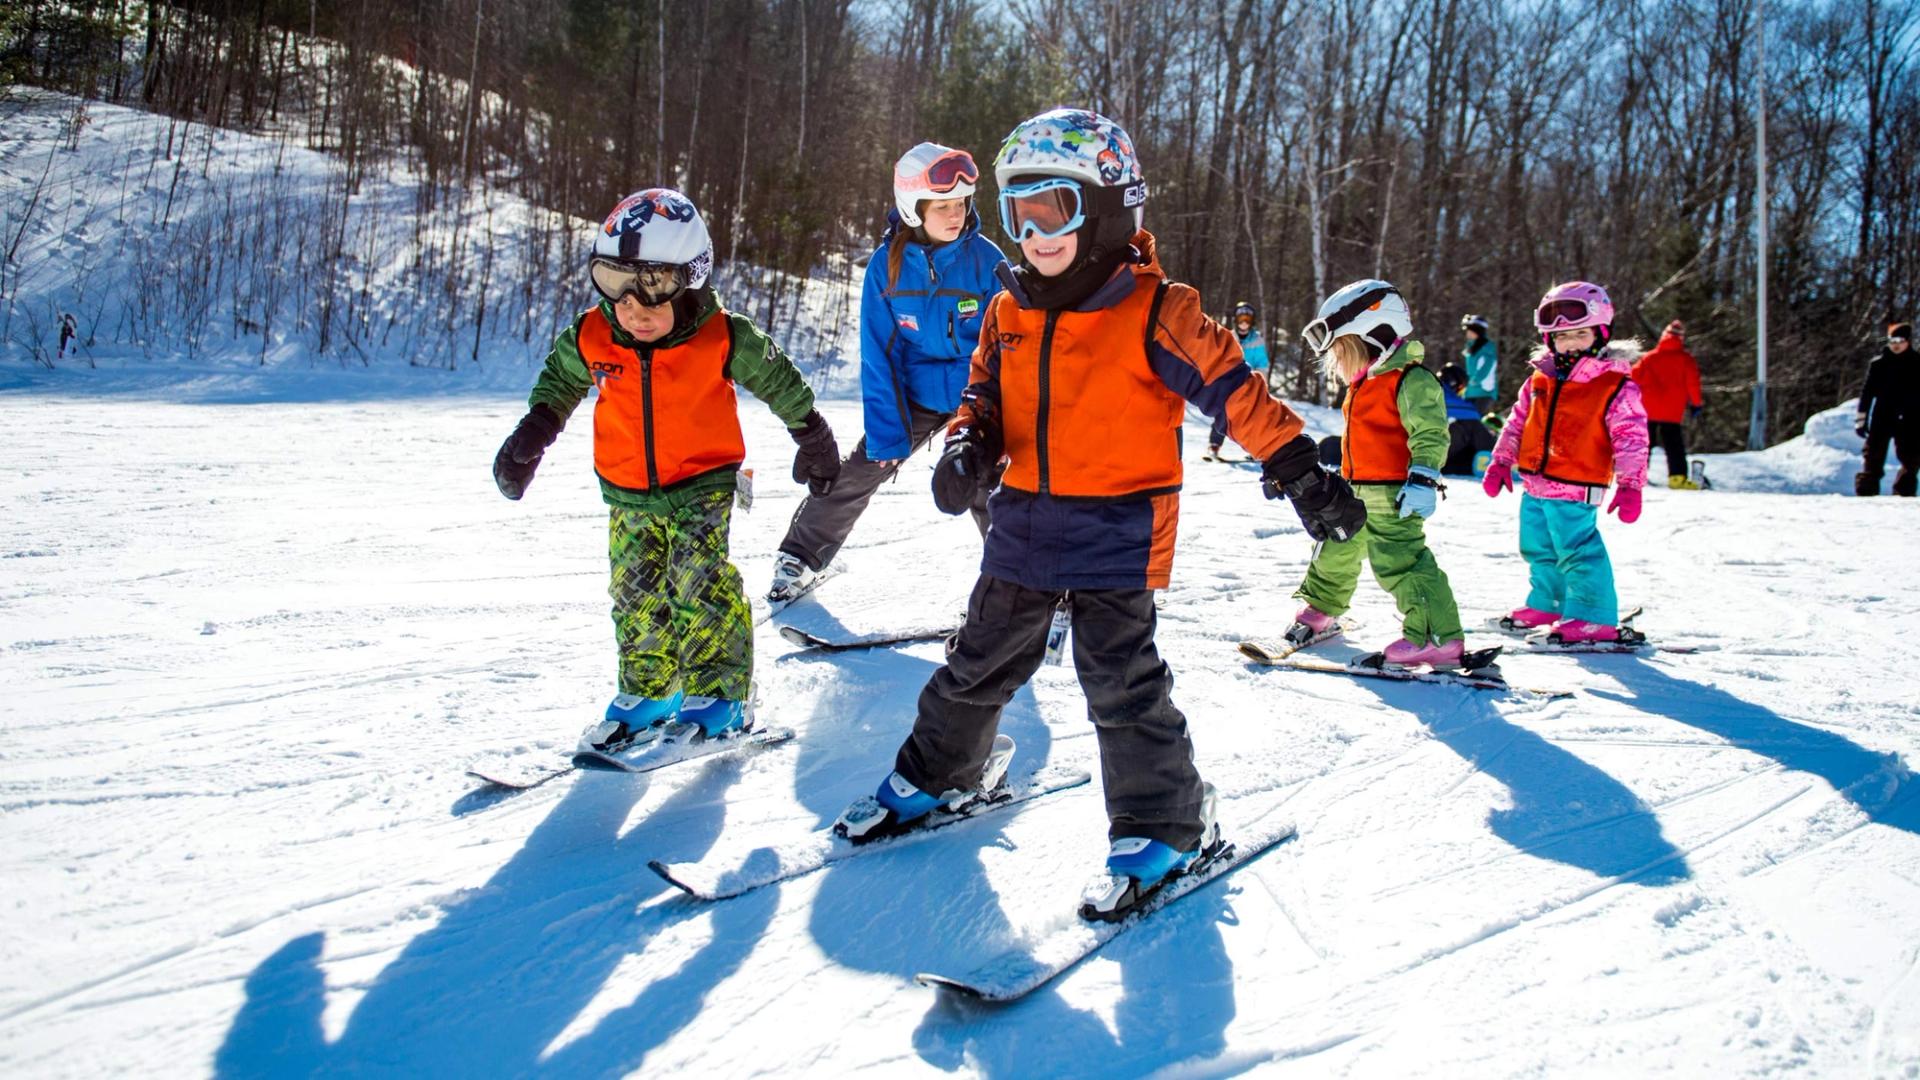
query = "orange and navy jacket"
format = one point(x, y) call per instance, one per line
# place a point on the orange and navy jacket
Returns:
point(1088, 404)
point(666, 425)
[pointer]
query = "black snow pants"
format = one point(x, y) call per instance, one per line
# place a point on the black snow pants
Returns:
point(823, 522)
point(1902, 433)
point(1671, 437)
point(1146, 755)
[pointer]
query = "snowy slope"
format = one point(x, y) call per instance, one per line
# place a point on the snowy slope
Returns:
point(249, 648)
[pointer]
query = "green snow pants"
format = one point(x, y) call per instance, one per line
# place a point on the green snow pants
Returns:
point(1397, 549)
point(680, 617)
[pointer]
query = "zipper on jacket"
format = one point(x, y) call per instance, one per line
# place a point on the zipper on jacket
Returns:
point(1046, 396)
point(646, 413)
point(1546, 438)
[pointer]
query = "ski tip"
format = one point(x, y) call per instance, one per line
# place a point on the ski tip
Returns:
point(1257, 652)
point(666, 872)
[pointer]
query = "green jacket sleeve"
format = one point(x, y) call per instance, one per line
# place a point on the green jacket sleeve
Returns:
point(768, 373)
point(1423, 412)
point(565, 380)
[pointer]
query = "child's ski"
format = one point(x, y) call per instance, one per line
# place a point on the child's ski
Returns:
point(739, 872)
point(820, 643)
point(672, 748)
point(675, 743)
point(1485, 678)
point(1016, 974)
point(1274, 651)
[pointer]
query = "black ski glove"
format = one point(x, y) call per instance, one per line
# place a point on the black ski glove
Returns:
point(1328, 508)
point(817, 462)
point(965, 466)
point(513, 466)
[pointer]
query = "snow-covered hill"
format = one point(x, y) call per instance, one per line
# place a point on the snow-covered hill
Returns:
point(215, 264)
point(1820, 460)
point(247, 651)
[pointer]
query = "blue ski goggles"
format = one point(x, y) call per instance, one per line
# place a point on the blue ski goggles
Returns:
point(1049, 209)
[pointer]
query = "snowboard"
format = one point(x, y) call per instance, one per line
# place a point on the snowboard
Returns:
point(877, 639)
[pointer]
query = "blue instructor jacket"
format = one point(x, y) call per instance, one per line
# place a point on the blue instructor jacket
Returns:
point(917, 338)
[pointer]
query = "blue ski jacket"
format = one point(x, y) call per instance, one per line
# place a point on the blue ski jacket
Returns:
point(1254, 348)
point(917, 337)
point(1457, 407)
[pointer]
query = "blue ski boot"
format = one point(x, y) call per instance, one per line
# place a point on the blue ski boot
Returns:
point(627, 716)
point(716, 717)
point(899, 804)
point(1137, 866)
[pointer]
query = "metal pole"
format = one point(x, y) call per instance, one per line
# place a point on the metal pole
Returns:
point(1757, 423)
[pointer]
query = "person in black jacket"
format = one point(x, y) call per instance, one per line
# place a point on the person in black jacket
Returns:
point(1890, 412)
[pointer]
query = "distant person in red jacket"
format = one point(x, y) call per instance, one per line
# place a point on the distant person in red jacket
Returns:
point(1670, 385)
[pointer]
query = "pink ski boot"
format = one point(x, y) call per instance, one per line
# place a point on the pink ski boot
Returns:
point(1404, 653)
point(1523, 619)
point(1311, 625)
point(1581, 632)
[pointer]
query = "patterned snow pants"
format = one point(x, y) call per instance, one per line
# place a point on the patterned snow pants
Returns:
point(680, 618)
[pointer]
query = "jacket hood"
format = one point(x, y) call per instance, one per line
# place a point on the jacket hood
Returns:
point(1669, 342)
point(1619, 355)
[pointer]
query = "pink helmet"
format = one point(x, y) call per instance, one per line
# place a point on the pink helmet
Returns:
point(1572, 305)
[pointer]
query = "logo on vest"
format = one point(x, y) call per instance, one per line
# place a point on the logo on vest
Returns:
point(1011, 341)
point(604, 373)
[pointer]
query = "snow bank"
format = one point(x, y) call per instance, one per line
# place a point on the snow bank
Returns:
point(1819, 461)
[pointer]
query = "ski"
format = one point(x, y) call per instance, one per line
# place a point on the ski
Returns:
point(1016, 974)
point(677, 742)
point(1475, 680)
point(819, 643)
point(743, 871)
point(671, 749)
point(1538, 639)
point(508, 772)
point(1274, 651)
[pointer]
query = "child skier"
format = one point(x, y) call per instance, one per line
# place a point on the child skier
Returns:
point(1470, 435)
point(1482, 360)
point(926, 290)
point(1079, 383)
point(1254, 349)
point(1396, 440)
point(664, 356)
point(1577, 426)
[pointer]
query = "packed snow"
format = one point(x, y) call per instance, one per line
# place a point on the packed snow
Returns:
point(250, 647)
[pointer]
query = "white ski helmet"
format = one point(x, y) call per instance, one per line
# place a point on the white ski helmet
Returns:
point(1079, 145)
point(657, 226)
point(1369, 308)
point(931, 171)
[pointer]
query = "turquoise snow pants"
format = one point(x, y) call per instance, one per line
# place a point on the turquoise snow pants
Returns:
point(1567, 564)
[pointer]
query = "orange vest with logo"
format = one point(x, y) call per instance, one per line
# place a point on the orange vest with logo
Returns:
point(1374, 449)
point(664, 415)
point(1083, 413)
point(1566, 436)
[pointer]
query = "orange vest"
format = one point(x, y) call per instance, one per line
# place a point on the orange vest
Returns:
point(1083, 413)
point(664, 414)
point(1374, 449)
point(1566, 436)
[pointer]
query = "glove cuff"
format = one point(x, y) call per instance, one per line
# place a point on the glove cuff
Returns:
point(813, 429)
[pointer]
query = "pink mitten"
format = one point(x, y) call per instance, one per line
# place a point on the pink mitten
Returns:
point(1499, 478)
point(1626, 503)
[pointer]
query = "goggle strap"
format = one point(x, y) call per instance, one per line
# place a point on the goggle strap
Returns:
point(1352, 308)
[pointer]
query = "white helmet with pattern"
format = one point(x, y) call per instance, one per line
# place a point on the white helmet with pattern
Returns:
point(656, 227)
point(1369, 308)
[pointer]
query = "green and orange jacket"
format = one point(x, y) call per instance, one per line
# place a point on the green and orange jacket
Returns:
point(666, 425)
point(1396, 418)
